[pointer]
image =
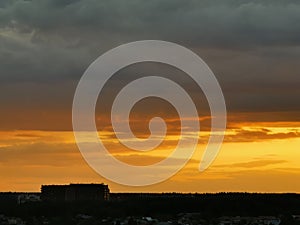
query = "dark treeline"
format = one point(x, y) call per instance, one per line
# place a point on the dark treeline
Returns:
point(211, 205)
point(128, 204)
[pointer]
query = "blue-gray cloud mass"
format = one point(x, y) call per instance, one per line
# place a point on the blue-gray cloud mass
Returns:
point(253, 47)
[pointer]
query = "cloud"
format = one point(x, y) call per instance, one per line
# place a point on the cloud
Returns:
point(259, 134)
point(22, 60)
point(37, 34)
point(218, 21)
point(253, 164)
point(142, 160)
point(40, 154)
point(46, 45)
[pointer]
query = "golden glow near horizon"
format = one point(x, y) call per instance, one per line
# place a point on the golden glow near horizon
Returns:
point(260, 157)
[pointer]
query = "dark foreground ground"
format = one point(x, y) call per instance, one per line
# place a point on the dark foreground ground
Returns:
point(157, 209)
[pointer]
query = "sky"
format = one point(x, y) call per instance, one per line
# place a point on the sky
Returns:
point(253, 48)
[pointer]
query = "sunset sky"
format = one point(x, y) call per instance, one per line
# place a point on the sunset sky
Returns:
point(253, 48)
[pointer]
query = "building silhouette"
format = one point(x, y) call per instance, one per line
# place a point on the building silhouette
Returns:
point(75, 192)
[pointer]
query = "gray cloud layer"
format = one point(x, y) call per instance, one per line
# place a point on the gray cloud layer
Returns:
point(228, 22)
point(252, 46)
point(68, 34)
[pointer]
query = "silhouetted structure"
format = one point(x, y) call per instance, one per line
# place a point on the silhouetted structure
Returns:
point(75, 192)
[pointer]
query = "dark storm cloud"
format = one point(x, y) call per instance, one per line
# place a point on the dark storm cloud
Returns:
point(251, 46)
point(210, 21)
point(69, 34)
